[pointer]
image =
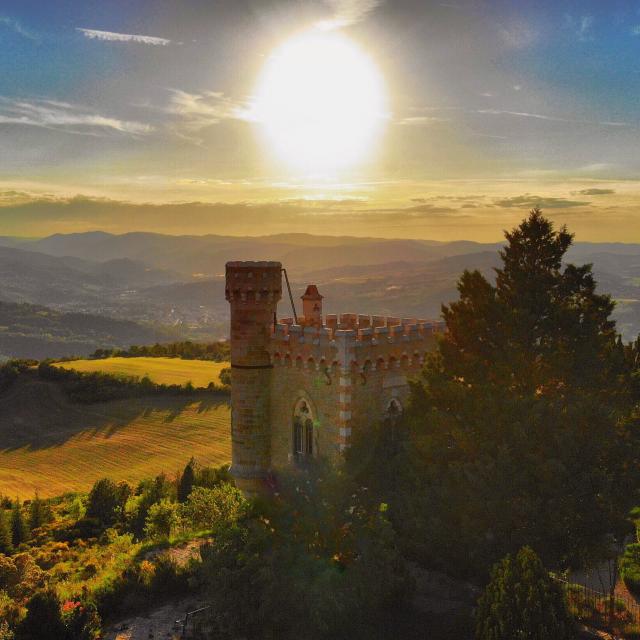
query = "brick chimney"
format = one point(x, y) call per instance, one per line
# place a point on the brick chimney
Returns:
point(312, 306)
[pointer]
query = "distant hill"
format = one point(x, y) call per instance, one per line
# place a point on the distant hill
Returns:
point(178, 281)
point(33, 331)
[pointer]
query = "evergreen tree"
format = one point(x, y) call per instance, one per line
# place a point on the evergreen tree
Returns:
point(39, 513)
point(19, 530)
point(185, 485)
point(43, 620)
point(107, 500)
point(5, 533)
point(522, 602)
point(519, 424)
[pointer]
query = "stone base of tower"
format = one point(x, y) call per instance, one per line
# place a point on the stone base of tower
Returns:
point(251, 484)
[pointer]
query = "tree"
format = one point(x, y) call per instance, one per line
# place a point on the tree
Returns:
point(185, 484)
point(107, 500)
point(520, 424)
point(5, 533)
point(521, 602)
point(39, 513)
point(19, 530)
point(43, 620)
point(161, 520)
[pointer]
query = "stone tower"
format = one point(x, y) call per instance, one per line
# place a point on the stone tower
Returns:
point(253, 290)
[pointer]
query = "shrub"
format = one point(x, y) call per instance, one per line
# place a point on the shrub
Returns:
point(162, 520)
point(522, 601)
point(43, 620)
point(213, 508)
point(225, 376)
point(630, 567)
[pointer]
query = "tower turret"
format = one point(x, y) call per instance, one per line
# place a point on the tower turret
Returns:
point(253, 290)
point(312, 306)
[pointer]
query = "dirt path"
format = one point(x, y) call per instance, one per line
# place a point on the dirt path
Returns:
point(163, 623)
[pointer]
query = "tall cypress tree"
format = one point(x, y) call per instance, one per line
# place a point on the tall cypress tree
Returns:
point(185, 485)
point(19, 531)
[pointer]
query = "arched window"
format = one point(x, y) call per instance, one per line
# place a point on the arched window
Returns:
point(392, 420)
point(303, 432)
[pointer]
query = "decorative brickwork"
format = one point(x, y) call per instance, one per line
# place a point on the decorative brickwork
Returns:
point(347, 369)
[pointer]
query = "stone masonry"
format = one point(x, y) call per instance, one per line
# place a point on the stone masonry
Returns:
point(303, 389)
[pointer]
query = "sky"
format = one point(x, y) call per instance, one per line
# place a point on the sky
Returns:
point(148, 115)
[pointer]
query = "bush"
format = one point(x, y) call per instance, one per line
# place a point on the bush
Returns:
point(43, 620)
point(630, 567)
point(162, 520)
point(522, 601)
point(212, 508)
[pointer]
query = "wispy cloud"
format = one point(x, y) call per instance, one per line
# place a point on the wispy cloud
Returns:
point(197, 111)
point(635, 31)
point(581, 26)
point(49, 114)
point(16, 27)
point(348, 12)
point(112, 36)
point(517, 35)
point(527, 201)
point(421, 120)
point(541, 116)
point(594, 191)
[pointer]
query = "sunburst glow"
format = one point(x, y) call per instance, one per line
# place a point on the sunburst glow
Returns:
point(321, 102)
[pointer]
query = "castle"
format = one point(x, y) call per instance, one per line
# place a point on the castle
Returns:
point(302, 386)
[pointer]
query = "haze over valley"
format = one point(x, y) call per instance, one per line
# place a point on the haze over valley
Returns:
point(104, 290)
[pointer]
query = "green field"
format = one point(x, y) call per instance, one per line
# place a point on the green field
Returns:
point(53, 446)
point(160, 370)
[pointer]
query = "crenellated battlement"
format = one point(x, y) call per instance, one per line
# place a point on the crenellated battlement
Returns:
point(301, 387)
point(253, 282)
point(351, 340)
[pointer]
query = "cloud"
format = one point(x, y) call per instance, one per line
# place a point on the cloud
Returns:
point(581, 26)
point(540, 116)
point(421, 120)
point(635, 31)
point(16, 27)
point(593, 192)
point(529, 201)
point(197, 111)
point(348, 12)
point(517, 35)
point(62, 116)
point(112, 36)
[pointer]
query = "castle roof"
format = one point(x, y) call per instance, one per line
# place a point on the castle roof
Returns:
point(312, 293)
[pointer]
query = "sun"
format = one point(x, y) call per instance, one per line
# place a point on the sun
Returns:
point(320, 102)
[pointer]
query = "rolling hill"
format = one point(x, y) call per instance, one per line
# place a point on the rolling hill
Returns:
point(50, 445)
point(178, 281)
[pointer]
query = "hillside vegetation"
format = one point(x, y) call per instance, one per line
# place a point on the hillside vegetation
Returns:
point(54, 446)
point(33, 331)
point(160, 370)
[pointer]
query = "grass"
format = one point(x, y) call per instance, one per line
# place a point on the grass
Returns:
point(160, 370)
point(54, 446)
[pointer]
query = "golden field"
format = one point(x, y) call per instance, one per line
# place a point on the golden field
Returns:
point(50, 445)
point(160, 370)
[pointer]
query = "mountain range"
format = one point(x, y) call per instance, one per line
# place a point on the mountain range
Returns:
point(164, 281)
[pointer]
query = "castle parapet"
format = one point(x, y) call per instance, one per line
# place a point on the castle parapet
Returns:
point(354, 340)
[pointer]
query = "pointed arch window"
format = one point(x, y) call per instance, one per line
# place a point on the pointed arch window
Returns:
point(304, 446)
